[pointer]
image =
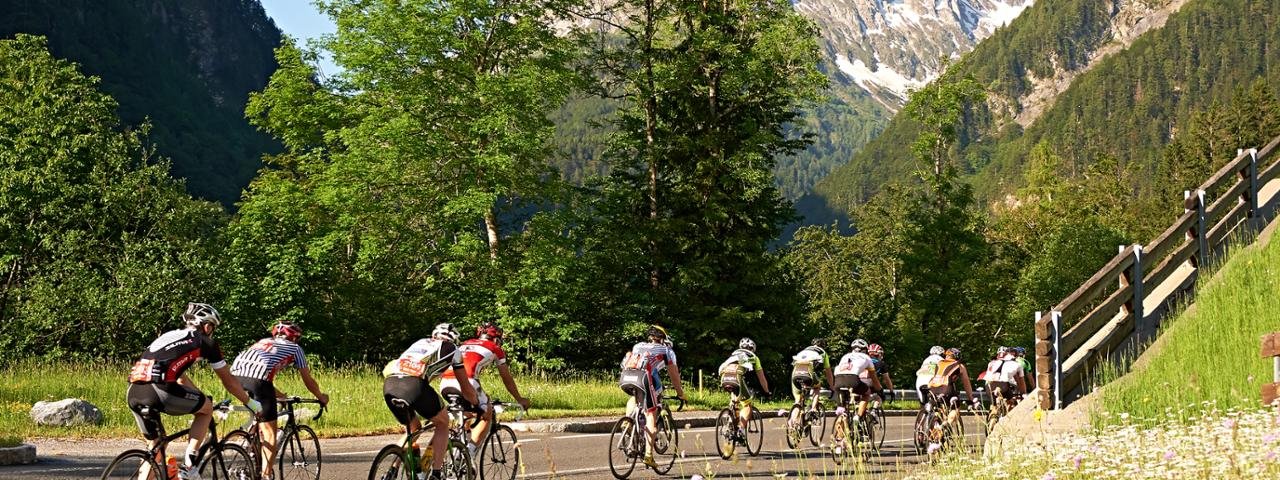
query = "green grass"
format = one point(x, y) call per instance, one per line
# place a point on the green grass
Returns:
point(356, 403)
point(9, 441)
point(1210, 352)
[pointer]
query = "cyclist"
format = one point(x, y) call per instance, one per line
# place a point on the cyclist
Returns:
point(1004, 375)
point(808, 369)
point(159, 381)
point(1027, 373)
point(876, 352)
point(855, 374)
point(928, 368)
point(943, 384)
point(744, 360)
point(649, 358)
point(256, 369)
point(407, 388)
point(478, 353)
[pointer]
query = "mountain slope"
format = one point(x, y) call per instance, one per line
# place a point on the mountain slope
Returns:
point(188, 66)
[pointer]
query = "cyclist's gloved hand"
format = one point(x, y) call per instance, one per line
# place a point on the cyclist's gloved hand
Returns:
point(974, 403)
point(888, 395)
point(253, 406)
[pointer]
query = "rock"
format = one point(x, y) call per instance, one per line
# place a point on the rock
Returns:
point(64, 413)
point(19, 455)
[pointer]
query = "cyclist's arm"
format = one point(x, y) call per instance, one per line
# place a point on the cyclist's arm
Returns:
point(826, 370)
point(464, 383)
point(888, 381)
point(968, 386)
point(875, 382)
point(764, 382)
point(1022, 382)
point(510, 382)
point(675, 378)
point(232, 385)
point(312, 385)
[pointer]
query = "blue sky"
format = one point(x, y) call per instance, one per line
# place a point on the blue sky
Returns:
point(301, 20)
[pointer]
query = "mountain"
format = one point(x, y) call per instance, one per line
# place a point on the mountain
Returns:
point(187, 66)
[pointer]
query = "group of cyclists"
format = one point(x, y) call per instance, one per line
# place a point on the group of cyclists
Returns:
point(158, 380)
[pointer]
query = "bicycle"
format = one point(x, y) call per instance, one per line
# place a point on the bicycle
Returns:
point(854, 432)
point(999, 408)
point(811, 420)
point(875, 415)
point(931, 426)
point(729, 433)
point(628, 440)
point(499, 457)
point(402, 461)
point(294, 448)
point(215, 460)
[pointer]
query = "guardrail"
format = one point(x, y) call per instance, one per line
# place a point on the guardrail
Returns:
point(1271, 349)
point(1107, 313)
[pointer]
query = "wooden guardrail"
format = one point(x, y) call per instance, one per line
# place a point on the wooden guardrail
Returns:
point(1107, 312)
point(1271, 349)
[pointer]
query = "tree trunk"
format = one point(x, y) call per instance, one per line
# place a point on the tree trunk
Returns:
point(650, 126)
point(491, 227)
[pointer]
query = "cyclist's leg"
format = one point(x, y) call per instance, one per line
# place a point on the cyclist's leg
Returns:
point(486, 418)
point(863, 389)
point(143, 395)
point(184, 400)
point(265, 393)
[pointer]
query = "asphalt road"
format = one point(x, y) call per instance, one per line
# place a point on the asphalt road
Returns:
point(547, 455)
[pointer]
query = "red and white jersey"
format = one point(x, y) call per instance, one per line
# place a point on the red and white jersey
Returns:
point(650, 357)
point(265, 359)
point(169, 356)
point(477, 354)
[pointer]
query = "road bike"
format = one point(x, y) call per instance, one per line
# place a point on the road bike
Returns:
point(853, 435)
point(499, 457)
point(729, 432)
point(932, 432)
point(401, 462)
point(999, 408)
point(810, 422)
point(215, 460)
point(628, 441)
point(297, 446)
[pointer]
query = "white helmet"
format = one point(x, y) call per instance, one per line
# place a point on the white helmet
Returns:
point(859, 345)
point(747, 344)
point(1001, 351)
point(445, 331)
point(936, 350)
point(198, 314)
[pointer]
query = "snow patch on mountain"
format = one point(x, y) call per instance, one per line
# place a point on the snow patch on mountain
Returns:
point(882, 77)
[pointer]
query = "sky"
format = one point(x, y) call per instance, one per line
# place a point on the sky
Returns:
point(301, 20)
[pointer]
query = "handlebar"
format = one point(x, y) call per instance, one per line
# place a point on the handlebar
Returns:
point(293, 400)
point(677, 399)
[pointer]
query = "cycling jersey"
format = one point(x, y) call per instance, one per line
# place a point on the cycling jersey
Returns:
point(947, 372)
point(170, 355)
point(854, 363)
point(478, 354)
point(1003, 370)
point(649, 356)
point(815, 358)
point(265, 359)
point(742, 358)
point(426, 359)
point(927, 370)
point(879, 365)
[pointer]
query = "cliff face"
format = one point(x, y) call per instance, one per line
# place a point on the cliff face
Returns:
point(187, 66)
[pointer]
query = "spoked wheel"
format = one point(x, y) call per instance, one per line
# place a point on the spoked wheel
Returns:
point(817, 425)
point(227, 462)
point(797, 423)
point(499, 457)
point(130, 465)
point(389, 465)
point(755, 432)
point(726, 434)
point(457, 462)
point(868, 435)
point(299, 457)
point(920, 431)
point(881, 426)
point(666, 443)
point(843, 440)
point(622, 448)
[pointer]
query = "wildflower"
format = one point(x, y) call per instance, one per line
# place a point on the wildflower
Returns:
point(1270, 456)
point(1076, 461)
point(1168, 455)
point(1039, 414)
point(934, 447)
point(1229, 424)
point(696, 477)
point(683, 453)
point(782, 412)
point(1049, 476)
point(1270, 438)
point(1124, 415)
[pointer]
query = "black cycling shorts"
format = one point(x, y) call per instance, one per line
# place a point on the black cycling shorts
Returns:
point(946, 394)
point(406, 396)
point(169, 398)
point(1007, 390)
point(264, 392)
point(851, 384)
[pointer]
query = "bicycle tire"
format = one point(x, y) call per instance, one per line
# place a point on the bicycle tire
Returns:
point(227, 462)
point(726, 441)
point(298, 455)
point(796, 423)
point(755, 428)
point(499, 457)
point(389, 464)
point(457, 461)
point(881, 427)
point(821, 425)
point(622, 440)
point(244, 440)
point(129, 464)
point(666, 427)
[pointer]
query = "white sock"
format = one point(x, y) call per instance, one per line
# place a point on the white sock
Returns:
point(188, 457)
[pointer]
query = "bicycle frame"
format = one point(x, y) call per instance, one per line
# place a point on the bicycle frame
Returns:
point(157, 451)
point(254, 433)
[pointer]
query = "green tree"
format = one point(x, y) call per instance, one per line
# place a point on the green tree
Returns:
point(99, 248)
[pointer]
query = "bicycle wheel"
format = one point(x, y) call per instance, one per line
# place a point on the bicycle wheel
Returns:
point(818, 424)
point(227, 462)
point(457, 462)
point(666, 442)
point(726, 433)
point(622, 448)
point(499, 457)
point(755, 432)
point(869, 424)
point(130, 465)
point(389, 464)
point(842, 439)
point(882, 425)
point(299, 455)
point(797, 423)
point(242, 439)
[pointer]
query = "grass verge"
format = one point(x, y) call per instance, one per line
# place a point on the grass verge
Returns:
point(10, 441)
point(355, 391)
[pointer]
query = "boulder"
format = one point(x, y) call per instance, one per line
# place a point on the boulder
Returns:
point(65, 413)
point(20, 455)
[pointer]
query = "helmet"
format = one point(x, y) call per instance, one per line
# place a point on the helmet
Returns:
point(445, 331)
point(667, 341)
point(859, 345)
point(490, 330)
point(198, 314)
point(953, 353)
point(936, 350)
point(1019, 351)
point(747, 344)
point(820, 343)
point(875, 350)
point(1001, 351)
point(286, 330)
point(657, 332)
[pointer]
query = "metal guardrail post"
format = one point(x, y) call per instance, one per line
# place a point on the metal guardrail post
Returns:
point(1056, 317)
point(1196, 200)
point(1253, 182)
